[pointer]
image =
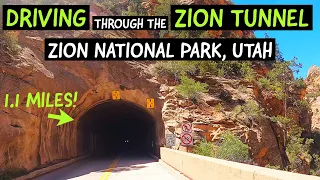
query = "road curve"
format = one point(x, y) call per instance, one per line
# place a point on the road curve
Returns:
point(121, 167)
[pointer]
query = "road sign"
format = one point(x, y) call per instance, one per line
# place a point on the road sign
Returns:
point(150, 103)
point(170, 139)
point(115, 95)
point(186, 139)
point(186, 127)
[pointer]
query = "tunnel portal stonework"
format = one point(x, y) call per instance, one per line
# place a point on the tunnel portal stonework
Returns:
point(28, 138)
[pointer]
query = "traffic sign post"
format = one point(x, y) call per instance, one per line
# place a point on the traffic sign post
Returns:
point(170, 140)
point(186, 136)
point(186, 139)
point(115, 95)
point(150, 103)
point(187, 127)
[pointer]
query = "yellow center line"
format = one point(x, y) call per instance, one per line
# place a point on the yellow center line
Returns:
point(108, 171)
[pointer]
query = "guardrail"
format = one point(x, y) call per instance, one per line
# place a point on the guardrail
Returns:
point(199, 167)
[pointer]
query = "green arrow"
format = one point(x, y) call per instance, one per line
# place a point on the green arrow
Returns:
point(63, 117)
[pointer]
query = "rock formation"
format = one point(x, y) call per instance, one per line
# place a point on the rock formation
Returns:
point(313, 96)
point(313, 92)
point(210, 122)
point(27, 138)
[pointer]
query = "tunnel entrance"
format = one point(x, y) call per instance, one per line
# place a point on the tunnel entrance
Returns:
point(116, 127)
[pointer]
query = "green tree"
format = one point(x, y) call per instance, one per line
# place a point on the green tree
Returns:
point(279, 56)
point(280, 119)
point(297, 148)
point(279, 80)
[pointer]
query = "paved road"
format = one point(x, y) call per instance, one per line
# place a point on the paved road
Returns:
point(122, 167)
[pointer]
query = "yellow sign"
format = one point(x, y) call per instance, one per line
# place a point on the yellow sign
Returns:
point(115, 95)
point(150, 103)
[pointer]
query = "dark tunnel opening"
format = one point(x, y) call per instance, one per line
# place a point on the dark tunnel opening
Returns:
point(116, 127)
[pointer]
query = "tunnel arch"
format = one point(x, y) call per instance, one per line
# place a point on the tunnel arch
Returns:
point(110, 127)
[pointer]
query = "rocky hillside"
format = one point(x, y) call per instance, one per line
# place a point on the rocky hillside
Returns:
point(313, 93)
point(211, 117)
point(28, 140)
point(313, 96)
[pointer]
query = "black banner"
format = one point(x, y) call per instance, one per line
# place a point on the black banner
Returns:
point(130, 23)
point(160, 49)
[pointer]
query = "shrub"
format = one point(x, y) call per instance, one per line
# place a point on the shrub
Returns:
point(302, 104)
point(247, 72)
point(11, 40)
point(232, 148)
point(219, 107)
point(12, 173)
point(204, 148)
point(210, 67)
point(297, 147)
point(235, 112)
point(316, 162)
point(174, 69)
point(251, 109)
point(315, 172)
point(220, 69)
point(228, 69)
point(191, 89)
point(316, 159)
point(264, 83)
point(220, 73)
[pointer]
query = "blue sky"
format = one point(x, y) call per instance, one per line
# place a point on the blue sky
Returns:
point(305, 45)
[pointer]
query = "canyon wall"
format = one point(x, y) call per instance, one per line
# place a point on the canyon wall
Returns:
point(28, 138)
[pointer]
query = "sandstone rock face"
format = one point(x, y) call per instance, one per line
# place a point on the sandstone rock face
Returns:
point(210, 122)
point(27, 138)
point(313, 91)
